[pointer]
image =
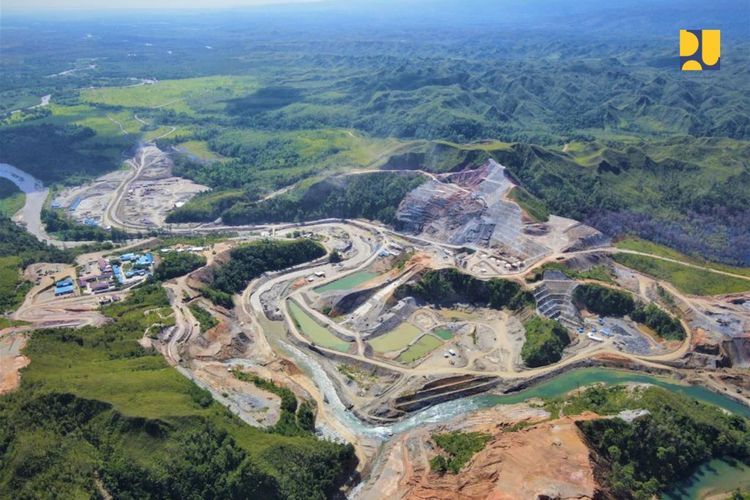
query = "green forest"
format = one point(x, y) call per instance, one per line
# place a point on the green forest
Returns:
point(373, 196)
point(605, 133)
point(175, 264)
point(607, 301)
point(94, 406)
point(247, 262)
point(653, 452)
point(450, 286)
point(18, 249)
point(545, 341)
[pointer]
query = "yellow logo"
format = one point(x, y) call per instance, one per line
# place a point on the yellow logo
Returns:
point(700, 49)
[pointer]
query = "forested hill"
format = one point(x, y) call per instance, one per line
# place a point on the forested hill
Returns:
point(596, 119)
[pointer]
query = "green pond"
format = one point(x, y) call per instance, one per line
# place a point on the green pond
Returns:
point(314, 331)
point(716, 476)
point(396, 339)
point(443, 333)
point(347, 282)
point(425, 345)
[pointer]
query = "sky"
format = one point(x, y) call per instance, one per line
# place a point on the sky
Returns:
point(42, 5)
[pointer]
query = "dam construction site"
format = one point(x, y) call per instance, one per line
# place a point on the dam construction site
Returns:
point(429, 325)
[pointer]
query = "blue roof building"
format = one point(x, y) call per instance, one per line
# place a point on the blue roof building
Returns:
point(64, 290)
point(145, 260)
point(64, 282)
point(117, 271)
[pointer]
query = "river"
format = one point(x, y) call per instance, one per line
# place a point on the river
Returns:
point(714, 476)
point(36, 193)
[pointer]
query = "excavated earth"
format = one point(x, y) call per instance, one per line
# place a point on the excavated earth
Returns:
point(546, 459)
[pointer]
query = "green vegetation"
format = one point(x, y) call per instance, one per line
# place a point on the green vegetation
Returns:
point(641, 245)
point(656, 450)
point(205, 318)
point(335, 257)
point(610, 302)
point(175, 264)
point(663, 324)
point(459, 448)
point(598, 272)
point(18, 249)
point(686, 279)
point(530, 204)
point(13, 288)
point(198, 149)
point(630, 151)
point(7, 323)
point(65, 228)
point(451, 286)
point(188, 95)
point(206, 207)
point(12, 199)
point(249, 261)
point(311, 329)
point(93, 403)
point(419, 349)
point(545, 341)
point(603, 300)
point(75, 151)
point(294, 420)
point(373, 196)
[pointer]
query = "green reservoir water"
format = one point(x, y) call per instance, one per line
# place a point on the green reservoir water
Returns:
point(347, 282)
point(312, 330)
point(573, 379)
point(716, 476)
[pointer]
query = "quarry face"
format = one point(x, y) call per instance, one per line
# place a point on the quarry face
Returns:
point(471, 208)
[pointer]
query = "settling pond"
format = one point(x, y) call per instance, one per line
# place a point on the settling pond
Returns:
point(347, 282)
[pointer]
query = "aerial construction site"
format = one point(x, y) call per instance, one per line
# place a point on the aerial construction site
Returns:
point(384, 363)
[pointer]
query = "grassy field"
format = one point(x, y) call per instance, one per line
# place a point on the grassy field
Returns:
point(7, 323)
point(419, 349)
point(200, 150)
point(686, 279)
point(396, 339)
point(205, 318)
point(12, 199)
point(12, 287)
point(190, 95)
point(530, 204)
point(640, 245)
point(318, 334)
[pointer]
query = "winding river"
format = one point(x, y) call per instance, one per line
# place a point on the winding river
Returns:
point(712, 477)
